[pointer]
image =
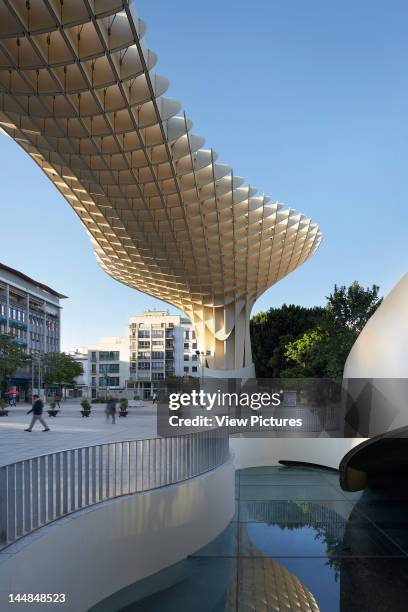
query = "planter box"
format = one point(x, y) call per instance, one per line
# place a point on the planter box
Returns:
point(123, 413)
point(52, 413)
point(4, 413)
point(85, 413)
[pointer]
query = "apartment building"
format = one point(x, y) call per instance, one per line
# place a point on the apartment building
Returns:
point(160, 345)
point(31, 313)
point(81, 387)
point(108, 366)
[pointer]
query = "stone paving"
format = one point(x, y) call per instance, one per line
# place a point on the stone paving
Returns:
point(70, 430)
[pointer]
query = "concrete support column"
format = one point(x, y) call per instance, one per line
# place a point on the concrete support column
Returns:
point(223, 332)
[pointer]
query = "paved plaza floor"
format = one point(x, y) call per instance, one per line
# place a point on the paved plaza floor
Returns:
point(70, 430)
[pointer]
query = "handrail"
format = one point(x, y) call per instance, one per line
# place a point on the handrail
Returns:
point(38, 491)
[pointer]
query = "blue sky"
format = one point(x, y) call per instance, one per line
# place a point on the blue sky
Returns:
point(306, 100)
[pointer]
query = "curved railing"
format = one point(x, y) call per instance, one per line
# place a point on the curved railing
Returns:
point(35, 492)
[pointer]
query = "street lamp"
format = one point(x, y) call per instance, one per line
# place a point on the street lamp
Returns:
point(36, 360)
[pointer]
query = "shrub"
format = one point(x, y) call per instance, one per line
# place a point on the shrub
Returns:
point(123, 404)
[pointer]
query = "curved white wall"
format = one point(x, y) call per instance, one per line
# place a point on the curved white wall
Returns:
point(381, 350)
point(94, 553)
point(380, 358)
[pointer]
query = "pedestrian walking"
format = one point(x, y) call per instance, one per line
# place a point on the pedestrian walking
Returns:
point(37, 410)
point(111, 409)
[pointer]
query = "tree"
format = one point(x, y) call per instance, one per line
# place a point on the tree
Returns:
point(308, 354)
point(322, 352)
point(60, 369)
point(271, 331)
point(12, 357)
point(351, 307)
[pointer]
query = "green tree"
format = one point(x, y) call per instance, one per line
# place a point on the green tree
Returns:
point(308, 354)
point(12, 357)
point(271, 331)
point(322, 352)
point(351, 307)
point(60, 369)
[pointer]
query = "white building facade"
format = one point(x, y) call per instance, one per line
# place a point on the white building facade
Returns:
point(108, 366)
point(81, 388)
point(158, 345)
point(161, 345)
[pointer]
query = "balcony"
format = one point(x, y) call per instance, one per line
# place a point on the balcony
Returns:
point(143, 375)
point(17, 324)
point(20, 341)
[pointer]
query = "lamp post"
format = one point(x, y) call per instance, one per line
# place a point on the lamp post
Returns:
point(36, 361)
point(201, 355)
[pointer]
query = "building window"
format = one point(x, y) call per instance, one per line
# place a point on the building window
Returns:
point(186, 369)
point(143, 365)
point(186, 346)
point(143, 333)
point(157, 376)
point(108, 355)
point(157, 365)
point(194, 369)
point(186, 357)
point(108, 368)
point(157, 354)
point(143, 344)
